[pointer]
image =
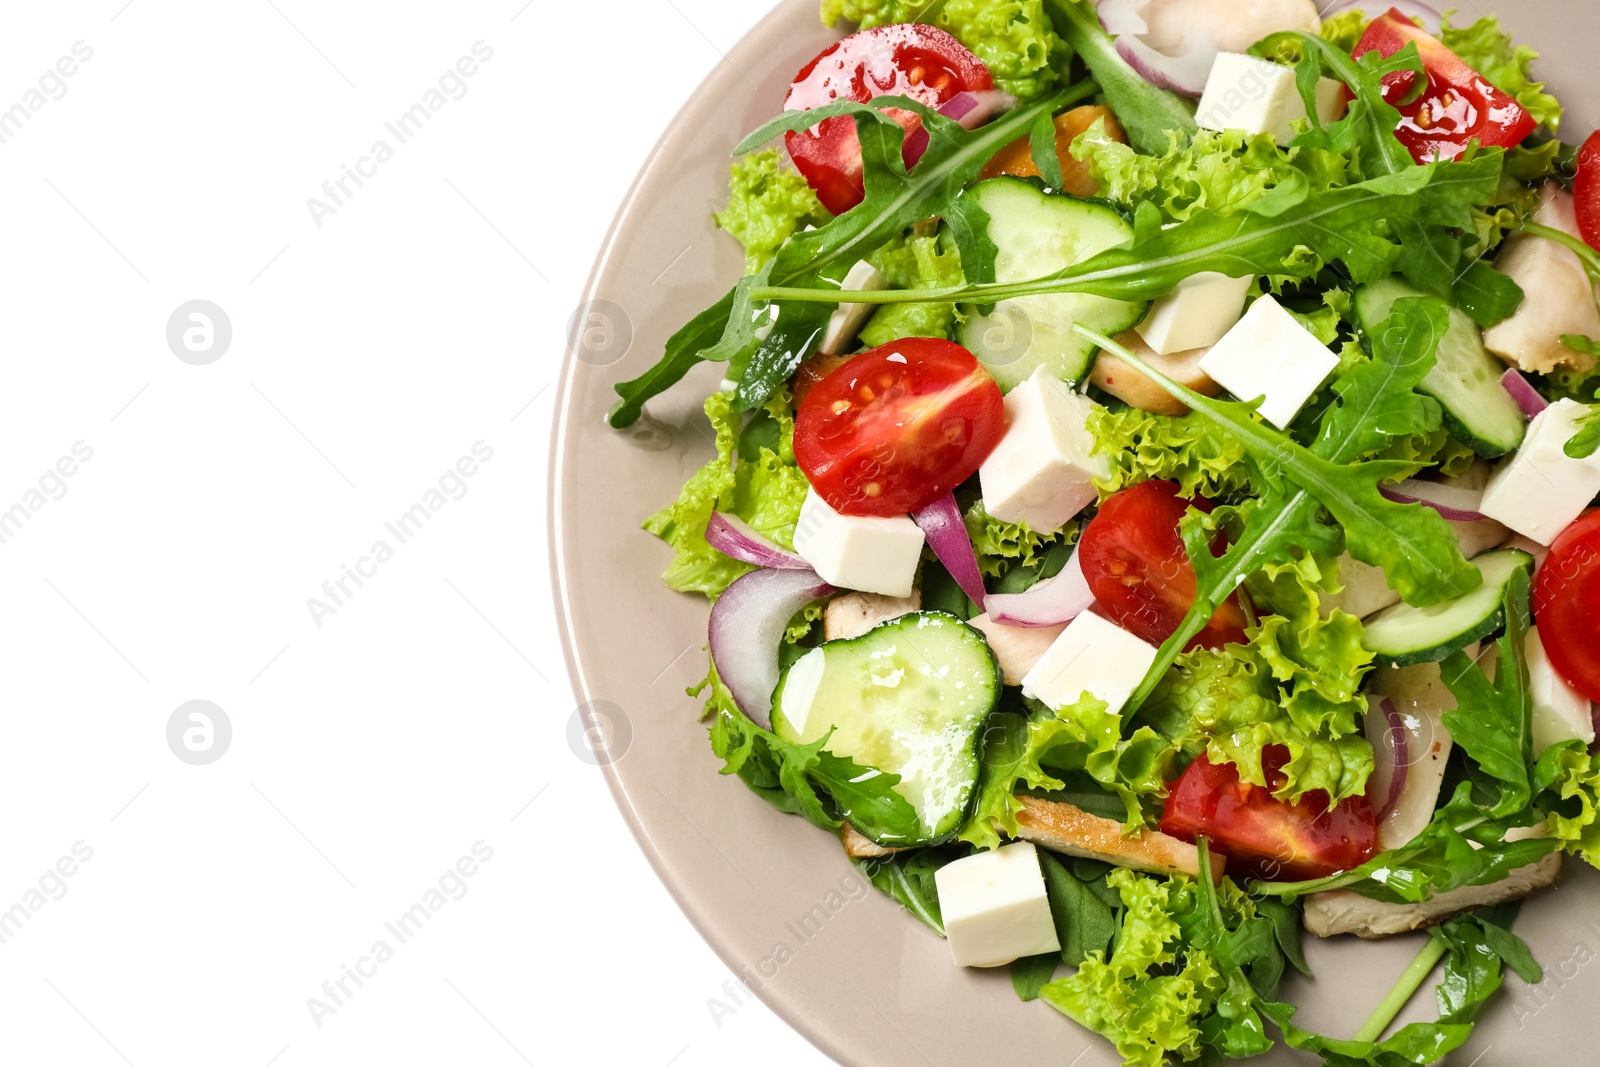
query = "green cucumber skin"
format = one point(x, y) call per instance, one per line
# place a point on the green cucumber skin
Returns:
point(1485, 626)
point(1371, 305)
point(781, 726)
point(1072, 365)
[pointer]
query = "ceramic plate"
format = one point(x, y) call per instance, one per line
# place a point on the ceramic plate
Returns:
point(774, 896)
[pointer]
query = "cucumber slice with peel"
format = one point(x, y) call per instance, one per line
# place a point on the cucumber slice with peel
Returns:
point(1404, 635)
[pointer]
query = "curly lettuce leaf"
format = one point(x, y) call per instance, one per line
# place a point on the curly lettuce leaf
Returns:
point(1318, 661)
point(914, 262)
point(1569, 782)
point(1487, 49)
point(767, 204)
point(1140, 998)
point(1222, 173)
point(765, 492)
point(1001, 545)
point(1014, 38)
point(1203, 459)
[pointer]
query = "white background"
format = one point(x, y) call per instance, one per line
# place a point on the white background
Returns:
point(429, 711)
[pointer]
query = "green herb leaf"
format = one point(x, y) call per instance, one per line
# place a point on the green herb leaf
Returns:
point(908, 877)
point(1146, 112)
point(1084, 922)
point(1030, 973)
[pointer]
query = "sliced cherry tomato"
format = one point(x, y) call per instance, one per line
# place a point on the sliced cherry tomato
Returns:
point(1566, 594)
point(1262, 835)
point(898, 427)
point(1586, 190)
point(1134, 559)
point(812, 371)
point(1458, 104)
point(903, 59)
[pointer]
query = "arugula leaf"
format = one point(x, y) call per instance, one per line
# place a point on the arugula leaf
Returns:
point(1416, 1043)
point(1353, 225)
point(1492, 722)
point(1478, 944)
point(819, 258)
point(1582, 444)
point(1084, 922)
point(1146, 112)
point(1485, 294)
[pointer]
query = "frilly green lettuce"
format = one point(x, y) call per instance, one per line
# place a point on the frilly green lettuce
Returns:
point(915, 262)
point(767, 204)
point(1186, 449)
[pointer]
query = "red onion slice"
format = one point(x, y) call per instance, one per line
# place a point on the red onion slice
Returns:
point(1397, 754)
point(1185, 72)
point(747, 623)
point(1411, 9)
point(1523, 392)
point(1050, 603)
point(1452, 502)
point(946, 532)
point(732, 536)
point(970, 110)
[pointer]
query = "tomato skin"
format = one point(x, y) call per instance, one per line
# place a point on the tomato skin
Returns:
point(1262, 835)
point(1566, 591)
point(1139, 571)
point(813, 371)
point(896, 428)
point(1457, 105)
point(902, 59)
point(1586, 190)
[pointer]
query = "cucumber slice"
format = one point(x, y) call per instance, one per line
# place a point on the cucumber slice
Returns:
point(1404, 635)
point(1037, 233)
point(1465, 378)
point(908, 697)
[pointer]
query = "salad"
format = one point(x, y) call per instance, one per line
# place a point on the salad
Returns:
point(1153, 511)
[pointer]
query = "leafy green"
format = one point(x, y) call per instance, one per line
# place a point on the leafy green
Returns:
point(767, 204)
point(1567, 779)
point(1141, 998)
point(1084, 921)
point(1224, 173)
point(1478, 944)
point(1000, 546)
point(1041, 750)
point(1014, 38)
point(1493, 720)
point(1187, 449)
point(765, 491)
point(1295, 684)
point(1030, 973)
point(908, 877)
point(1344, 30)
point(1487, 49)
point(1582, 444)
point(914, 262)
point(1145, 112)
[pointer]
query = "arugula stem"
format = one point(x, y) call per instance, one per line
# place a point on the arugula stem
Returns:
point(1403, 990)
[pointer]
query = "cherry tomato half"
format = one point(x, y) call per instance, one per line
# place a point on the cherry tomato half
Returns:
point(898, 427)
point(903, 59)
point(1586, 190)
point(1457, 105)
point(1566, 592)
point(1262, 835)
point(1139, 572)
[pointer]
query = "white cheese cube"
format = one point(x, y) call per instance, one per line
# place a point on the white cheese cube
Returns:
point(1560, 712)
point(1196, 314)
point(995, 908)
point(1540, 489)
point(874, 555)
point(847, 319)
point(1258, 96)
point(1042, 473)
point(1092, 655)
point(1269, 354)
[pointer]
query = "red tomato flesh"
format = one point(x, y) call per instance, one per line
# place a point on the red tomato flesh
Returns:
point(1586, 190)
point(904, 59)
point(1566, 592)
point(1139, 572)
point(1263, 836)
point(1457, 105)
point(898, 427)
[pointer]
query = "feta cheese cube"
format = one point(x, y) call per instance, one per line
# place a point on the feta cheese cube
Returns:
point(1092, 655)
point(848, 319)
point(1269, 354)
point(874, 555)
point(1540, 489)
point(995, 908)
point(1258, 96)
point(1042, 472)
point(1196, 314)
point(1560, 713)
